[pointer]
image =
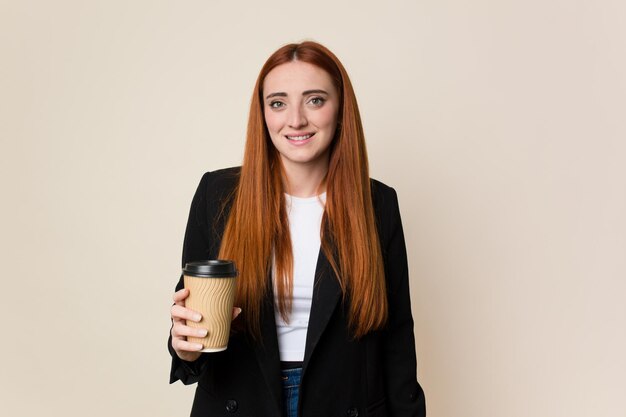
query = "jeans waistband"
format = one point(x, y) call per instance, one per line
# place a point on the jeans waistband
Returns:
point(292, 376)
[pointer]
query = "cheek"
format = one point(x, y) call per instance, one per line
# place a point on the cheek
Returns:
point(327, 117)
point(272, 121)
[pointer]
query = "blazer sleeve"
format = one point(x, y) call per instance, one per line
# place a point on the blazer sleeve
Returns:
point(405, 395)
point(195, 247)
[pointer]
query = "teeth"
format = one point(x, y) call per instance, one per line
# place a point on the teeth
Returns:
point(299, 137)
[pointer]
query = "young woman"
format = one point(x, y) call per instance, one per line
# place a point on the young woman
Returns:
point(323, 325)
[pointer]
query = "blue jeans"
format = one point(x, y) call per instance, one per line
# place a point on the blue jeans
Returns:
point(291, 389)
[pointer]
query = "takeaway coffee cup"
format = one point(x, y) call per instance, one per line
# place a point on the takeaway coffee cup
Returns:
point(211, 287)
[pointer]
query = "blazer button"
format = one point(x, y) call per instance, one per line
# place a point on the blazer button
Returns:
point(231, 406)
point(353, 412)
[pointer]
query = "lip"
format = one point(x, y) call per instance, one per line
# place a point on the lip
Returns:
point(301, 141)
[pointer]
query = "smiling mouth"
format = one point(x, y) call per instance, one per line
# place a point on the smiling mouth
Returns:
point(300, 137)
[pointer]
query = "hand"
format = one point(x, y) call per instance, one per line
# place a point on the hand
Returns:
point(185, 350)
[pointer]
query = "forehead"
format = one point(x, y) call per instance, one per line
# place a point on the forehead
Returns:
point(297, 76)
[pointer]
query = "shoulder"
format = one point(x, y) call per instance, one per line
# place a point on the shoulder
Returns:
point(386, 211)
point(218, 184)
point(222, 178)
point(384, 197)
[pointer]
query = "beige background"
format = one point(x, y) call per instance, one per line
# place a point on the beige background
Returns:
point(500, 123)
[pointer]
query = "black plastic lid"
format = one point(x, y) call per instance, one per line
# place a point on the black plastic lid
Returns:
point(217, 268)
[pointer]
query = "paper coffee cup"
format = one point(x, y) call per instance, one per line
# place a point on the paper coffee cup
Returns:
point(211, 286)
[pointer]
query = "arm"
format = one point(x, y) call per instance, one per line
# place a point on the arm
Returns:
point(195, 247)
point(405, 396)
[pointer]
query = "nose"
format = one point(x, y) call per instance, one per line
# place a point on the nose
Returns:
point(297, 118)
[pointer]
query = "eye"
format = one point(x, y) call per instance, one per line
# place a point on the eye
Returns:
point(276, 104)
point(317, 101)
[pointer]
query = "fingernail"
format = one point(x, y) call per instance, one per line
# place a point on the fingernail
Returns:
point(202, 332)
point(199, 346)
point(197, 317)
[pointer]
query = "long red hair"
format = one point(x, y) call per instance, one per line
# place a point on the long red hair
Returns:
point(257, 229)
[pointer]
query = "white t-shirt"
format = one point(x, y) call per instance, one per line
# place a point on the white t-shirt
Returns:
point(305, 220)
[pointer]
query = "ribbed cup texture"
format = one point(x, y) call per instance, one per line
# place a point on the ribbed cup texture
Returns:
point(213, 298)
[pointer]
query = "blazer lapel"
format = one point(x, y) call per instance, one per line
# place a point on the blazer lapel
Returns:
point(267, 351)
point(326, 293)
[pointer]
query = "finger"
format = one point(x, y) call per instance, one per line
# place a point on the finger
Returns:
point(236, 312)
point(180, 344)
point(180, 295)
point(180, 329)
point(181, 312)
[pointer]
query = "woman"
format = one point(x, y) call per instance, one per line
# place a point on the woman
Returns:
point(325, 325)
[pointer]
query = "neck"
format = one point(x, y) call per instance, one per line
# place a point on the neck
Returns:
point(305, 180)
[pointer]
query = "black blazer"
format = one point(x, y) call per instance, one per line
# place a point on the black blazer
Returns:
point(372, 376)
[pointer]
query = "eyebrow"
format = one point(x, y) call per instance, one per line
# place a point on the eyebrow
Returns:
point(304, 93)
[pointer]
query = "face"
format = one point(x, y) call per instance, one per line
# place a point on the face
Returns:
point(301, 105)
